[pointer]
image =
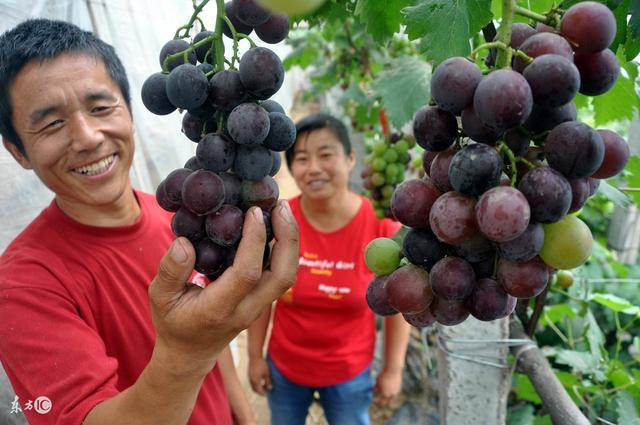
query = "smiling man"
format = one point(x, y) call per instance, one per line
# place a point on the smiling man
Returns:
point(97, 322)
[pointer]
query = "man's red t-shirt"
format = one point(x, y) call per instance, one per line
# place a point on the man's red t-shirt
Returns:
point(75, 319)
point(323, 331)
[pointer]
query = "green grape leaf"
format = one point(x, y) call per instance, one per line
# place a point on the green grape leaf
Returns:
point(633, 179)
point(522, 416)
point(330, 11)
point(556, 313)
point(634, 21)
point(621, 102)
point(616, 303)
point(613, 194)
point(595, 337)
point(626, 409)
point(582, 362)
point(445, 26)
point(524, 389)
point(543, 420)
point(409, 76)
point(303, 57)
point(382, 18)
point(620, 13)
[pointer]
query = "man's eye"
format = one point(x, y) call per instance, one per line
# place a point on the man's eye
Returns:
point(99, 109)
point(53, 124)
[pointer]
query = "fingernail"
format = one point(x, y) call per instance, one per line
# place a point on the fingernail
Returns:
point(285, 211)
point(257, 214)
point(177, 252)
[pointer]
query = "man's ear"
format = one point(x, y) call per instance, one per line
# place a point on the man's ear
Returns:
point(16, 154)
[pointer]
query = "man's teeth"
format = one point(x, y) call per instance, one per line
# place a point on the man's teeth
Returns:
point(97, 167)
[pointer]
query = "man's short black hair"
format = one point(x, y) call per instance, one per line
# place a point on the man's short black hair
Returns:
point(41, 40)
point(317, 122)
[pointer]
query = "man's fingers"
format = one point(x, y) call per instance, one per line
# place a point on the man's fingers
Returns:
point(284, 261)
point(174, 271)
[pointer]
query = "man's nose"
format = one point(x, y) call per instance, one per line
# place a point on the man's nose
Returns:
point(85, 133)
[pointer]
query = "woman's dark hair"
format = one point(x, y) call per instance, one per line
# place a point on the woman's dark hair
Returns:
point(317, 122)
point(41, 40)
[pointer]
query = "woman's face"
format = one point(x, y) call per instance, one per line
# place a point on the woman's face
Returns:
point(320, 165)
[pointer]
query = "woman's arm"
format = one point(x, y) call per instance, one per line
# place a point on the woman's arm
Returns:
point(240, 407)
point(259, 375)
point(396, 338)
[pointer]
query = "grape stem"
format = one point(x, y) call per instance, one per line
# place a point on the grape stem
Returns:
point(196, 11)
point(630, 189)
point(522, 55)
point(523, 11)
point(491, 45)
point(504, 149)
point(237, 36)
point(185, 53)
point(537, 311)
point(504, 33)
point(219, 45)
point(526, 162)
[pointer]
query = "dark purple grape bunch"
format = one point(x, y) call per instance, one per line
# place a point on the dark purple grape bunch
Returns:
point(506, 163)
point(248, 15)
point(240, 134)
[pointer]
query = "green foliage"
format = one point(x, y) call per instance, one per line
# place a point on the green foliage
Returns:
point(621, 102)
point(616, 303)
point(633, 177)
point(382, 18)
point(589, 331)
point(521, 416)
point(444, 27)
point(627, 411)
point(406, 75)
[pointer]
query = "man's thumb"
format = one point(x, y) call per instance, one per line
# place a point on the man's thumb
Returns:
point(175, 267)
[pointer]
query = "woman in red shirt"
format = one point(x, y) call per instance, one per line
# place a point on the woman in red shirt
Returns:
point(323, 333)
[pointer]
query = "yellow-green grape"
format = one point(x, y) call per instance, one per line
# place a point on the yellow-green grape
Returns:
point(368, 160)
point(390, 156)
point(392, 171)
point(401, 146)
point(292, 7)
point(403, 157)
point(564, 279)
point(377, 179)
point(387, 191)
point(379, 148)
point(385, 202)
point(382, 255)
point(379, 164)
point(379, 213)
point(567, 243)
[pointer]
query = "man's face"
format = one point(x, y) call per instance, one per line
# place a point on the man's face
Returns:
point(76, 129)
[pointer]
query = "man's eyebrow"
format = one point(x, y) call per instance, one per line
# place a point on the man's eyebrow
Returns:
point(40, 114)
point(100, 95)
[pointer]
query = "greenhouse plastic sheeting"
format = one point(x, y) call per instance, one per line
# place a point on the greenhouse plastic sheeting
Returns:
point(137, 30)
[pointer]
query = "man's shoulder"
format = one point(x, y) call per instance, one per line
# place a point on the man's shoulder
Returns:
point(31, 257)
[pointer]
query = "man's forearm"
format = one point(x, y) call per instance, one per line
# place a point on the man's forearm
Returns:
point(162, 394)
